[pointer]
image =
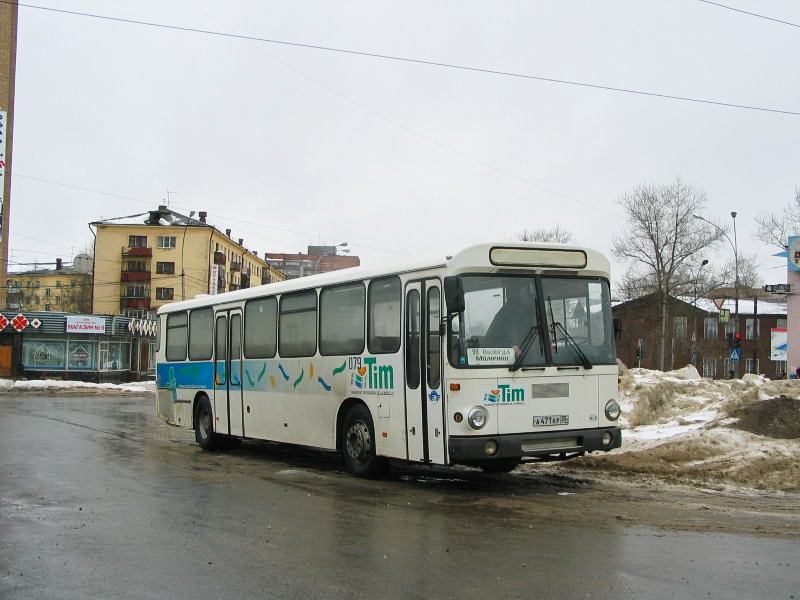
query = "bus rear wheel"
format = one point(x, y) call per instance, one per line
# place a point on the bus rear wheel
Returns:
point(204, 425)
point(358, 444)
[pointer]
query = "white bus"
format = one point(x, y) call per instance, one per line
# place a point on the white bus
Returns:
point(427, 362)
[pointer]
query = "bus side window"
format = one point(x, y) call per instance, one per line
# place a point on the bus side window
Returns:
point(177, 336)
point(434, 339)
point(412, 339)
point(297, 328)
point(201, 334)
point(383, 320)
point(341, 320)
point(261, 328)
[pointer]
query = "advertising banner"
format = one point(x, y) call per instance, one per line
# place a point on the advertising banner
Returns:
point(779, 343)
point(85, 324)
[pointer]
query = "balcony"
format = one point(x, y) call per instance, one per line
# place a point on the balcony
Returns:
point(219, 258)
point(235, 266)
point(135, 303)
point(134, 276)
point(136, 251)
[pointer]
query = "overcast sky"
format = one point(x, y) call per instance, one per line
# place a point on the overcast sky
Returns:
point(312, 141)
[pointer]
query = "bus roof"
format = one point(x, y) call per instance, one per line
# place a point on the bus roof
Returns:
point(473, 258)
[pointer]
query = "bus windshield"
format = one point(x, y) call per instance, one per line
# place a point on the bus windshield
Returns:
point(532, 321)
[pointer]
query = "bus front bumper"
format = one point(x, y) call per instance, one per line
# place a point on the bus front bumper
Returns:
point(541, 446)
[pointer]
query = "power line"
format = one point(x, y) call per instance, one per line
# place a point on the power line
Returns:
point(418, 61)
point(752, 14)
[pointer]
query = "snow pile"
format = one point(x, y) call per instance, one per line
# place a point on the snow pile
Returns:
point(58, 386)
point(682, 426)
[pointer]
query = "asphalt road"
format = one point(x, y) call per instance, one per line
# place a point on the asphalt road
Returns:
point(100, 499)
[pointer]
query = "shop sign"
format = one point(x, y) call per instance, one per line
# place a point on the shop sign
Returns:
point(84, 324)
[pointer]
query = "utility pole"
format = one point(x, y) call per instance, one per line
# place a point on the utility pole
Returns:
point(8, 64)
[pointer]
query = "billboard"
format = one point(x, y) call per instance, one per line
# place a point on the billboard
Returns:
point(779, 343)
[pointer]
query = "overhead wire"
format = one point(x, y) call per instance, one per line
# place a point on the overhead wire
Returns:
point(417, 61)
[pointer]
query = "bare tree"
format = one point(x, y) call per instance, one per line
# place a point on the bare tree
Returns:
point(662, 242)
point(556, 234)
point(775, 229)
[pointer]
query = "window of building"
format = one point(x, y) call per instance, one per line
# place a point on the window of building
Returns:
point(137, 241)
point(751, 365)
point(780, 368)
point(58, 283)
point(135, 266)
point(166, 241)
point(165, 293)
point(341, 328)
point(165, 268)
point(37, 284)
point(780, 323)
point(47, 292)
point(679, 324)
point(297, 335)
point(709, 367)
point(134, 291)
point(752, 329)
point(710, 327)
point(731, 327)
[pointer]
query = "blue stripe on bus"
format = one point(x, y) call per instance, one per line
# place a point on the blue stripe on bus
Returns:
point(257, 375)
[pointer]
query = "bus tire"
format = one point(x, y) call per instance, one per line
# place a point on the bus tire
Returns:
point(204, 425)
point(358, 444)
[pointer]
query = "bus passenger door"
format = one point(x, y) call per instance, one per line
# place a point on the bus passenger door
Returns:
point(424, 397)
point(228, 390)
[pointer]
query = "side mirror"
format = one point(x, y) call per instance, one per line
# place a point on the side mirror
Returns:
point(453, 294)
point(617, 327)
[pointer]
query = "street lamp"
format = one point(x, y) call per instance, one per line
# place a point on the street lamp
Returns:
point(694, 327)
point(183, 246)
point(734, 244)
point(329, 252)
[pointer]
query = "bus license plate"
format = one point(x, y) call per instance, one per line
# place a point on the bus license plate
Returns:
point(549, 420)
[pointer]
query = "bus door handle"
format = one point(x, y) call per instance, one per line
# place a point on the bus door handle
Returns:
point(413, 431)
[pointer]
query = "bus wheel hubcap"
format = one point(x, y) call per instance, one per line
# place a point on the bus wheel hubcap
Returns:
point(358, 442)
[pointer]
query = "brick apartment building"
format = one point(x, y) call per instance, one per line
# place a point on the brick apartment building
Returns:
point(697, 333)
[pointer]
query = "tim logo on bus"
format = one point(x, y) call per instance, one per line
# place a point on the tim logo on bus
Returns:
point(370, 376)
point(505, 394)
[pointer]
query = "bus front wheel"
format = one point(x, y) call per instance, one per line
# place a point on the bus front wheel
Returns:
point(204, 425)
point(358, 444)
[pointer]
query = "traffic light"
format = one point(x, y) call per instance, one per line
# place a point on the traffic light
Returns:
point(737, 340)
point(729, 337)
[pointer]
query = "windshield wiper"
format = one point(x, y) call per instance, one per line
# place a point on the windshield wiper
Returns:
point(572, 344)
point(527, 341)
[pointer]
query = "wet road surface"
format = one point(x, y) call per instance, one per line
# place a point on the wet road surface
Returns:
point(100, 499)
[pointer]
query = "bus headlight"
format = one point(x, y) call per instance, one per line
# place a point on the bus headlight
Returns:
point(477, 417)
point(612, 410)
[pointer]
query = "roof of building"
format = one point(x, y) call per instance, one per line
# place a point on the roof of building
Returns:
point(746, 306)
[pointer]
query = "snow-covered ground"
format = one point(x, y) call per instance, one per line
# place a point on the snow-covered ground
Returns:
point(51, 385)
point(678, 425)
point(683, 427)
